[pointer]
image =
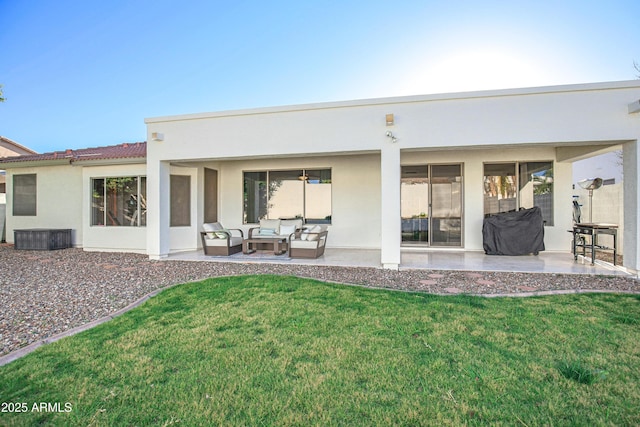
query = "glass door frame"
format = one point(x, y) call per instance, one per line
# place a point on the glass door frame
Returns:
point(429, 243)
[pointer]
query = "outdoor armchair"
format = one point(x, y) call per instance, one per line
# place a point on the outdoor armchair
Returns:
point(309, 243)
point(217, 240)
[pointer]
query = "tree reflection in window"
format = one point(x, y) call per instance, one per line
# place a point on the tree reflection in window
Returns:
point(119, 202)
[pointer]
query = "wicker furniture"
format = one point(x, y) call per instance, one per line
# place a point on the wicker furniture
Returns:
point(309, 244)
point(216, 240)
point(273, 228)
point(279, 245)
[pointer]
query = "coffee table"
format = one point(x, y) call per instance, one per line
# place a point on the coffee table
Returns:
point(249, 246)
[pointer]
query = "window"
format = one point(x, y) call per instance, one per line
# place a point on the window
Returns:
point(500, 190)
point(536, 188)
point(510, 186)
point(24, 195)
point(299, 193)
point(180, 199)
point(119, 202)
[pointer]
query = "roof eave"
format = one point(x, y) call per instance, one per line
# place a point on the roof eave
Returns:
point(104, 162)
point(33, 163)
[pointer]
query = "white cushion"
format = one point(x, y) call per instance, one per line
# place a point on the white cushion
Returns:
point(286, 230)
point(212, 226)
point(306, 244)
point(295, 222)
point(314, 229)
point(234, 241)
point(273, 224)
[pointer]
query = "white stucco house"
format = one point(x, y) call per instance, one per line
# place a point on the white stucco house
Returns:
point(416, 171)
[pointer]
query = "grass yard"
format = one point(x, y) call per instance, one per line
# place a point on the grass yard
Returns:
point(268, 350)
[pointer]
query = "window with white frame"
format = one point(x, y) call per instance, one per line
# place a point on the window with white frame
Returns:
point(298, 193)
point(119, 202)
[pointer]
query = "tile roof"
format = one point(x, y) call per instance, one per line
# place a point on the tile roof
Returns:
point(127, 150)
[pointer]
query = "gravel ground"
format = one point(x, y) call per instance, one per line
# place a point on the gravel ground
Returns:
point(45, 293)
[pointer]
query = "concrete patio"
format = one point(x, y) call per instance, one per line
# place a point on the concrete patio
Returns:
point(460, 260)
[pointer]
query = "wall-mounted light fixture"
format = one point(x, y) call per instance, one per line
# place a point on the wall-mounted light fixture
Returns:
point(389, 119)
point(634, 107)
point(157, 136)
point(390, 135)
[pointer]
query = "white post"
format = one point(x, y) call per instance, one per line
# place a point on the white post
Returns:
point(631, 187)
point(158, 206)
point(390, 235)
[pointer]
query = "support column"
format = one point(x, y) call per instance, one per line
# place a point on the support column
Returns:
point(158, 206)
point(631, 187)
point(390, 236)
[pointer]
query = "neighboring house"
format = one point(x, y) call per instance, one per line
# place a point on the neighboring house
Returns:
point(8, 148)
point(394, 173)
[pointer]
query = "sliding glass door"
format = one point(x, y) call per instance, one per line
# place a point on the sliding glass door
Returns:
point(431, 205)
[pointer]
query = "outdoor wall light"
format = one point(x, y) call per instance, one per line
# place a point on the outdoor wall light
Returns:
point(390, 135)
point(157, 136)
point(389, 119)
point(634, 107)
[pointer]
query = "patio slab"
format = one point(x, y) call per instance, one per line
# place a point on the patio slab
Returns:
point(456, 260)
point(545, 262)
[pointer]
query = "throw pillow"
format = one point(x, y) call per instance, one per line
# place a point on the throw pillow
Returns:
point(315, 229)
point(286, 230)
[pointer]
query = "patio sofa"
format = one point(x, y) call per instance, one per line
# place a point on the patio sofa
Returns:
point(276, 228)
point(217, 240)
point(309, 243)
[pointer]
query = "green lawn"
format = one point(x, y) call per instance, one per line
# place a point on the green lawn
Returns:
point(268, 350)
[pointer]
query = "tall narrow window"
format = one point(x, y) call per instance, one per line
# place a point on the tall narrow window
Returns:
point(143, 201)
point(536, 188)
point(286, 194)
point(180, 195)
point(24, 195)
point(317, 196)
point(500, 191)
point(255, 197)
point(97, 202)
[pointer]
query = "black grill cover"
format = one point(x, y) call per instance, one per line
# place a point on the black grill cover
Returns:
point(514, 233)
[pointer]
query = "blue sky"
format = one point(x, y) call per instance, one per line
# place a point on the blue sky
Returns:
point(87, 73)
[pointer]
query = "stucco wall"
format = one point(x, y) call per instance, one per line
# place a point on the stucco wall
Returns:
point(575, 113)
point(102, 238)
point(355, 195)
point(58, 202)
point(556, 236)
